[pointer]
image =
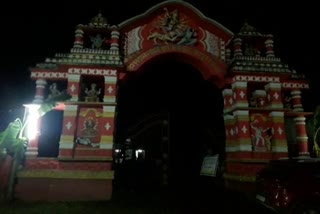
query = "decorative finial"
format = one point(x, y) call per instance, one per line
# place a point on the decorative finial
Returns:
point(99, 20)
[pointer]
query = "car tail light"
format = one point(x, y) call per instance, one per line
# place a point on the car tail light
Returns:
point(279, 195)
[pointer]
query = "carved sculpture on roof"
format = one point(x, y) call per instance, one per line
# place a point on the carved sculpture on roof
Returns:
point(247, 29)
point(170, 27)
point(92, 93)
point(250, 50)
point(54, 91)
point(97, 41)
point(98, 21)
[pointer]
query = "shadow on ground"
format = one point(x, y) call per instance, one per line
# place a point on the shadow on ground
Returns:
point(148, 201)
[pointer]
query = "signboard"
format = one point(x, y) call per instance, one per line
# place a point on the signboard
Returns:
point(210, 165)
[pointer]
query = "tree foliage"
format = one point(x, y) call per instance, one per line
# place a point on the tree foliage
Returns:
point(316, 131)
point(13, 143)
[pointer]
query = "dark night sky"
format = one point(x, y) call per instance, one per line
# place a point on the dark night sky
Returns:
point(31, 31)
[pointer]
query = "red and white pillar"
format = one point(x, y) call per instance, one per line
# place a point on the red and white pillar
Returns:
point(269, 46)
point(110, 89)
point(107, 128)
point(114, 46)
point(279, 146)
point(33, 144)
point(227, 99)
point(66, 144)
point(242, 129)
point(296, 101)
point(239, 94)
point(274, 99)
point(237, 42)
point(74, 86)
point(231, 137)
point(301, 135)
point(40, 91)
point(78, 40)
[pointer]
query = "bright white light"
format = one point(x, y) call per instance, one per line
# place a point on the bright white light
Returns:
point(117, 150)
point(32, 121)
point(138, 151)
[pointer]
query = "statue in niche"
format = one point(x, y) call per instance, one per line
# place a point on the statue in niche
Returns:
point(97, 41)
point(287, 102)
point(250, 50)
point(258, 99)
point(54, 91)
point(92, 93)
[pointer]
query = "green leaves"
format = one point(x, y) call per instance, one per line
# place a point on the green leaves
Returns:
point(48, 105)
point(316, 130)
point(316, 119)
point(8, 137)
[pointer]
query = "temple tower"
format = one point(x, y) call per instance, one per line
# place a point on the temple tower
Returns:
point(263, 95)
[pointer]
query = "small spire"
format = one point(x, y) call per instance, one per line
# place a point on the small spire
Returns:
point(99, 20)
point(247, 29)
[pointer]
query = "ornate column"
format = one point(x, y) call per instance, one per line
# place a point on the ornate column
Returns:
point(40, 91)
point(296, 100)
point(228, 55)
point(237, 42)
point(110, 89)
point(78, 40)
point(302, 138)
point(114, 46)
point(229, 124)
point(66, 145)
point(269, 46)
point(227, 99)
point(107, 130)
point(240, 94)
point(74, 86)
point(33, 144)
point(242, 129)
point(274, 99)
point(279, 145)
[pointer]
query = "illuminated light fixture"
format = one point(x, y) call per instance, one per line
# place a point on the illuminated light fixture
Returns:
point(139, 152)
point(31, 121)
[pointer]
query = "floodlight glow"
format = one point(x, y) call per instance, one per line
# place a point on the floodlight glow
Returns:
point(32, 121)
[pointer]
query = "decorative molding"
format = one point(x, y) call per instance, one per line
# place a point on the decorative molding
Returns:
point(241, 178)
point(93, 71)
point(66, 174)
point(49, 75)
point(256, 78)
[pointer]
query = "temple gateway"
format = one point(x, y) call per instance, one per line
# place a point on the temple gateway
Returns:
point(80, 145)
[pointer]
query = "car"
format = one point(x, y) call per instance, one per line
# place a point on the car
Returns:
point(290, 185)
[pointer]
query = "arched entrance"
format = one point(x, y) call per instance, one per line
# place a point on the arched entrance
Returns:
point(168, 110)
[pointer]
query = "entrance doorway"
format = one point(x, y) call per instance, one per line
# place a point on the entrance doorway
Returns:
point(185, 123)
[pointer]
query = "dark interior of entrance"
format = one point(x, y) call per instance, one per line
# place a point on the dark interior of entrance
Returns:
point(171, 113)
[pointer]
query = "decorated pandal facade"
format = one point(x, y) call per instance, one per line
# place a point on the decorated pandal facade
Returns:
point(261, 100)
point(259, 93)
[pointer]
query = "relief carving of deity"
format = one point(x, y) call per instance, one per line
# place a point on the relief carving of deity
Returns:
point(261, 133)
point(172, 28)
